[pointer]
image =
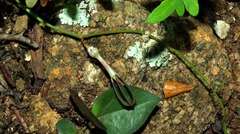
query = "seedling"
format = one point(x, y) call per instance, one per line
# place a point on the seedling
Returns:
point(127, 97)
point(167, 7)
point(204, 79)
point(84, 109)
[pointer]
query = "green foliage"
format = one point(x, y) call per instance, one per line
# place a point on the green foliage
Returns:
point(84, 109)
point(31, 3)
point(180, 7)
point(118, 119)
point(98, 110)
point(192, 6)
point(167, 7)
point(65, 126)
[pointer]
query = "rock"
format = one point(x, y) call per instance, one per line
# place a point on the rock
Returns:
point(21, 24)
point(42, 116)
point(191, 112)
point(221, 29)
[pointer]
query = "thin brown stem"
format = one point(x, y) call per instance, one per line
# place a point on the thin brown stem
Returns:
point(19, 37)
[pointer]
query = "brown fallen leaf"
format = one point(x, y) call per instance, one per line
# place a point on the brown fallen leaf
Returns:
point(37, 60)
point(43, 3)
point(175, 88)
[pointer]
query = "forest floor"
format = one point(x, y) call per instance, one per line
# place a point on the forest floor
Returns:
point(34, 82)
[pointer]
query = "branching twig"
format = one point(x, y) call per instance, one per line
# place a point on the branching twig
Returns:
point(23, 123)
point(18, 37)
point(11, 84)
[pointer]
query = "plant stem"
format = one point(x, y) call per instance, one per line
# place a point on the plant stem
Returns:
point(75, 35)
point(205, 80)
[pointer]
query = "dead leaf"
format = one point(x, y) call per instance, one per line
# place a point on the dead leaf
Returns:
point(43, 3)
point(175, 88)
point(37, 60)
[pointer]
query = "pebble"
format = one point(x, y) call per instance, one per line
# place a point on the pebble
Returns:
point(221, 28)
point(21, 24)
point(215, 70)
point(90, 73)
point(235, 11)
point(237, 56)
point(190, 109)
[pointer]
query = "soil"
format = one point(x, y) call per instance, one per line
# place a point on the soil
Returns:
point(35, 82)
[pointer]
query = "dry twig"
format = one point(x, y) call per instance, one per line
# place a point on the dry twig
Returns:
point(18, 37)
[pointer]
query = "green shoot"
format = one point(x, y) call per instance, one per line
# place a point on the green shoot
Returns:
point(167, 7)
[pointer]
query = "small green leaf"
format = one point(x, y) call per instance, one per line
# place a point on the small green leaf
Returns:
point(84, 109)
point(192, 6)
point(31, 3)
point(65, 126)
point(119, 120)
point(164, 10)
point(180, 7)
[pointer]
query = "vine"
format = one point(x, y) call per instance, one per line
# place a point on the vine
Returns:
point(204, 79)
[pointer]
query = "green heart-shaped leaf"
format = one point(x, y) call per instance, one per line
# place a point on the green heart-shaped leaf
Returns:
point(65, 126)
point(119, 120)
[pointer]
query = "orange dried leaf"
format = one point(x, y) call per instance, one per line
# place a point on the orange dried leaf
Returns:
point(175, 88)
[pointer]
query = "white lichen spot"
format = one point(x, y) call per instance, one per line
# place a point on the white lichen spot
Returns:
point(78, 14)
point(135, 51)
point(158, 58)
point(156, 55)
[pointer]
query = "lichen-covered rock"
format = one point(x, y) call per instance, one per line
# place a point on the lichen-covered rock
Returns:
point(67, 65)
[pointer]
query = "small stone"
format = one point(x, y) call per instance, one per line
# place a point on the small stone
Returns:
point(177, 119)
point(195, 113)
point(90, 73)
point(231, 5)
point(20, 84)
point(238, 80)
point(215, 70)
point(221, 29)
point(165, 104)
point(16, 45)
point(55, 73)
point(181, 112)
point(236, 36)
point(235, 11)
point(27, 57)
point(21, 24)
point(190, 109)
point(237, 56)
